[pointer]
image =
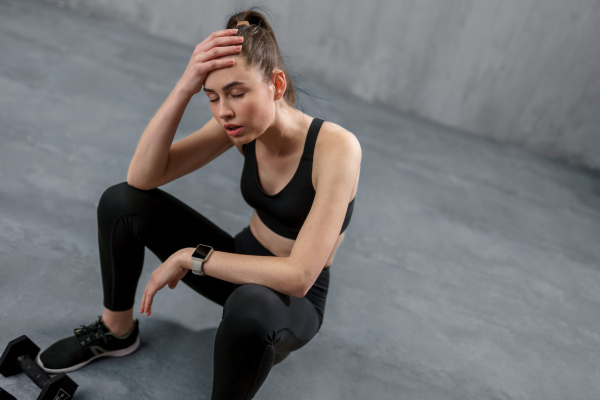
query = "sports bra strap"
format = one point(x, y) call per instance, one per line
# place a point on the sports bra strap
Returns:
point(311, 138)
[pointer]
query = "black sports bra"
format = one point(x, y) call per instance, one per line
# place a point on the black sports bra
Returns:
point(285, 212)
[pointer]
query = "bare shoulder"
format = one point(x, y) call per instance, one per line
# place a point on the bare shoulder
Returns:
point(334, 140)
point(337, 156)
point(337, 159)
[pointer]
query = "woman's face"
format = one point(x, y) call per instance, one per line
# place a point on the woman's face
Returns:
point(240, 100)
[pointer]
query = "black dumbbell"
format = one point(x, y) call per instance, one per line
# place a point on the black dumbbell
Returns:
point(19, 356)
point(4, 395)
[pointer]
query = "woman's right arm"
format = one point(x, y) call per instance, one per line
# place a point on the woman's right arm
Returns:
point(157, 160)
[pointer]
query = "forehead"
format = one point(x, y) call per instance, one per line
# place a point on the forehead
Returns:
point(240, 71)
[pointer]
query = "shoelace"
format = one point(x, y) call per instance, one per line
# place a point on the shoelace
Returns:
point(90, 333)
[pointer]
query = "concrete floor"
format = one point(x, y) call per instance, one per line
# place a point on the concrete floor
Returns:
point(470, 270)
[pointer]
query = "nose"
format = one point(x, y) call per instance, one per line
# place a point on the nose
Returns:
point(225, 112)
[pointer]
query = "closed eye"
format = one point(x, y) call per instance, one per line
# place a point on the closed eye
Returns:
point(232, 95)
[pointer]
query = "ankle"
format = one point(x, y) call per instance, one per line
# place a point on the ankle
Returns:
point(120, 330)
point(119, 323)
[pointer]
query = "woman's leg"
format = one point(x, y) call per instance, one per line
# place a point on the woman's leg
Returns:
point(130, 219)
point(258, 325)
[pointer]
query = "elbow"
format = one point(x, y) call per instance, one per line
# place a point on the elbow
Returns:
point(301, 283)
point(139, 183)
point(299, 291)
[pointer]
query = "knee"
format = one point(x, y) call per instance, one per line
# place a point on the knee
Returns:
point(118, 200)
point(250, 314)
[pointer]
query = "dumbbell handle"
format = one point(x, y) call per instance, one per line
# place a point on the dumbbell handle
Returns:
point(33, 371)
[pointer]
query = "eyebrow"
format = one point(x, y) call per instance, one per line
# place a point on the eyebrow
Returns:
point(224, 88)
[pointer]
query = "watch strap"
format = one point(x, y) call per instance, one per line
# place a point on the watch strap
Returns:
point(197, 262)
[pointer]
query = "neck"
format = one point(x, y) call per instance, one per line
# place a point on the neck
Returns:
point(287, 132)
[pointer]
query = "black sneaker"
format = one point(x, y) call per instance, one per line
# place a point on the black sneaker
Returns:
point(90, 342)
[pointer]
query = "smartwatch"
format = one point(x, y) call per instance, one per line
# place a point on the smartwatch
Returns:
point(199, 257)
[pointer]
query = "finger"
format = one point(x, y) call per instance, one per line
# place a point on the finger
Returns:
point(148, 304)
point(218, 34)
point(216, 64)
point(143, 302)
point(147, 298)
point(217, 52)
point(144, 298)
point(218, 42)
point(226, 41)
point(224, 32)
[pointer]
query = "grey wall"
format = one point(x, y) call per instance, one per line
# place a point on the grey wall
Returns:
point(520, 71)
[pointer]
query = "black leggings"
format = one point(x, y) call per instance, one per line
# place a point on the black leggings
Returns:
point(259, 327)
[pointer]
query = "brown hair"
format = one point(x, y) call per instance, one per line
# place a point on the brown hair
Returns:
point(260, 47)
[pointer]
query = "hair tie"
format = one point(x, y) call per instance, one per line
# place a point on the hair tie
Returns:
point(243, 23)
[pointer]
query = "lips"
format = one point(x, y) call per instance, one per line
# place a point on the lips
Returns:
point(233, 130)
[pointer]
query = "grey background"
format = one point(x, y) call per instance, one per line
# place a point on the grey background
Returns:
point(525, 72)
point(470, 269)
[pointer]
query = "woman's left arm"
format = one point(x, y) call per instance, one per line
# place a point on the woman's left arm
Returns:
point(336, 163)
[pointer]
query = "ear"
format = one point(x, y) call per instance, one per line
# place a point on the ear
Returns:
point(279, 84)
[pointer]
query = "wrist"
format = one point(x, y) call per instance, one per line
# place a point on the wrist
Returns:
point(185, 258)
point(186, 89)
point(206, 266)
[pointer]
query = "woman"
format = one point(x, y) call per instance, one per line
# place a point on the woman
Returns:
point(300, 175)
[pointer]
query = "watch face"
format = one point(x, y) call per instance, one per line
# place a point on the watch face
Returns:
point(202, 252)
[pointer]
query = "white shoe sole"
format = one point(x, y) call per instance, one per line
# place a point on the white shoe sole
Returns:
point(115, 353)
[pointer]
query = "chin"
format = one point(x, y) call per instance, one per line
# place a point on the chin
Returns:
point(243, 139)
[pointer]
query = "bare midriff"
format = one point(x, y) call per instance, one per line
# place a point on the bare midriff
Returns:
point(279, 245)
